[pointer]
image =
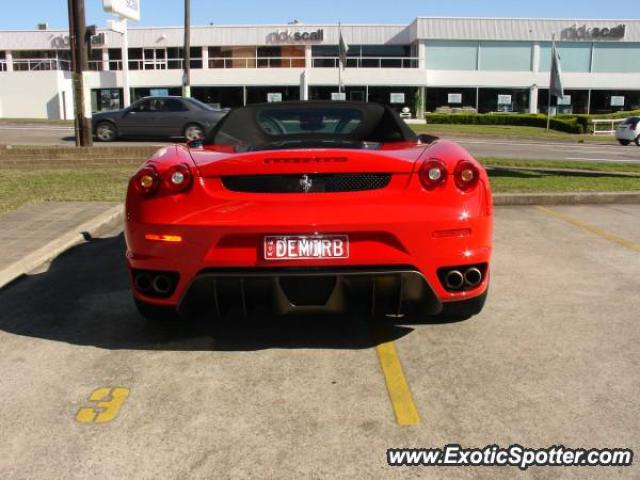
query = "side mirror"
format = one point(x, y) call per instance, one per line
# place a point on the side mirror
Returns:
point(426, 138)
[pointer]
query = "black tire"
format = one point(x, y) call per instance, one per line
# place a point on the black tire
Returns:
point(156, 313)
point(624, 143)
point(193, 131)
point(106, 132)
point(637, 140)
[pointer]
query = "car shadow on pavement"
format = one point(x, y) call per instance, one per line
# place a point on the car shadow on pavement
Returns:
point(84, 299)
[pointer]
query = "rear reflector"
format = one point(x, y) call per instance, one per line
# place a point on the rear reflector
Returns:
point(458, 232)
point(163, 238)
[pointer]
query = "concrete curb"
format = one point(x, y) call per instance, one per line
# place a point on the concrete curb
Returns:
point(54, 248)
point(583, 198)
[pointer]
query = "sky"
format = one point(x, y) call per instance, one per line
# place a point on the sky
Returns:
point(234, 12)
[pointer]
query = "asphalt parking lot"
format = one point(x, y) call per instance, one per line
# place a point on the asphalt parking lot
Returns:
point(553, 359)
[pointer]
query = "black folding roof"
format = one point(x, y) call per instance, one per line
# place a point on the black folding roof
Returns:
point(377, 123)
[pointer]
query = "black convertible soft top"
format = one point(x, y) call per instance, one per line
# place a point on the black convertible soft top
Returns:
point(305, 123)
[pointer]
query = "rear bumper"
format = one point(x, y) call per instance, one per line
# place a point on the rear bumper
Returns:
point(626, 134)
point(380, 290)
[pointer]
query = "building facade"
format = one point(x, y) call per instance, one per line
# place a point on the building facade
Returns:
point(432, 64)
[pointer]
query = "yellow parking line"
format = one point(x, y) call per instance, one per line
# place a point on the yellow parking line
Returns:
point(397, 386)
point(601, 232)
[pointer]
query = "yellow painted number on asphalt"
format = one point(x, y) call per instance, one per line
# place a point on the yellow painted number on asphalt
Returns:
point(108, 402)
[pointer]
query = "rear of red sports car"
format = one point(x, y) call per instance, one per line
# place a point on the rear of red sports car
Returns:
point(310, 207)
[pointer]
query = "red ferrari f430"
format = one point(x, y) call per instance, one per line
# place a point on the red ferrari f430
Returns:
point(310, 207)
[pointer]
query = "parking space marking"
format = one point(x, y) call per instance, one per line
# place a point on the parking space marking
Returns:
point(108, 403)
point(397, 386)
point(601, 232)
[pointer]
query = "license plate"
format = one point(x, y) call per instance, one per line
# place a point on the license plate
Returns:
point(299, 247)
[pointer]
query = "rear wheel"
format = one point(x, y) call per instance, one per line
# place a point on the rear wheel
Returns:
point(106, 132)
point(156, 313)
point(193, 132)
point(637, 140)
point(624, 142)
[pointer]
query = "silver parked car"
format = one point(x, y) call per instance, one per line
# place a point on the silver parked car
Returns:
point(629, 131)
point(157, 117)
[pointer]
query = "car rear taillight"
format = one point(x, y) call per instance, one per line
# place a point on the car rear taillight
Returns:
point(178, 178)
point(433, 173)
point(147, 180)
point(466, 175)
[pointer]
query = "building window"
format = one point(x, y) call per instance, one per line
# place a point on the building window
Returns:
point(219, 97)
point(505, 56)
point(616, 58)
point(175, 57)
point(575, 57)
point(95, 60)
point(503, 100)
point(261, 94)
point(575, 101)
point(324, 56)
point(135, 59)
point(609, 101)
point(28, 60)
point(232, 57)
point(3, 61)
point(451, 99)
point(115, 59)
point(365, 56)
point(280, 57)
point(451, 55)
point(106, 99)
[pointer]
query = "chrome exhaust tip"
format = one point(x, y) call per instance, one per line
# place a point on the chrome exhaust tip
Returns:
point(142, 281)
point(454, 280)
point(161, 284)
point(472, 277)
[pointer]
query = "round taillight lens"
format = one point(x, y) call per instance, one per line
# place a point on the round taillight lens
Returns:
point(466, 175)
point(178, 178)
point(147, 180)
point(433, 173)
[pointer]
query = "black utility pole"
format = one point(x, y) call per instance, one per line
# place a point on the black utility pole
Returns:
point(78, 39)
point(186, 80)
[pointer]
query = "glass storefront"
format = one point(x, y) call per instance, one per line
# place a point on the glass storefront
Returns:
point(451, 99)
point(219, 97)
point(609, 101)
point(138, 93)
point(106, 99)
point(398, 98)
point(353, 94)
point(505, 100)
point(264, 94)
point(574, 101)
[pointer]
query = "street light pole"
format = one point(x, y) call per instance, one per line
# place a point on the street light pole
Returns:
point(78, 39)
point(186, 80)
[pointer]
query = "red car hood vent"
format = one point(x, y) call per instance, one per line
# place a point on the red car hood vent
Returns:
point(217, 164)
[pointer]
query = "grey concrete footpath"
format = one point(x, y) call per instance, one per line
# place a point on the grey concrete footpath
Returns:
point(36, 234)
point(569, 198)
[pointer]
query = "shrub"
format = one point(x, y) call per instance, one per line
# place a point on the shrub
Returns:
point(578, 123)
point(569, 125)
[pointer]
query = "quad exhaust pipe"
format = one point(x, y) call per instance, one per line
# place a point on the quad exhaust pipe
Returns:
point(454, 280)
point(161, 284)
point(157, 285)
point(472, 277)
point(457, 279)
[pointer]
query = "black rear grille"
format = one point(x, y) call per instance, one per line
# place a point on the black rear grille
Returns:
point(315, 183)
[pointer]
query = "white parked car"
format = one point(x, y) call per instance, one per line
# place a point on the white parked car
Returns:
point(629, 131)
